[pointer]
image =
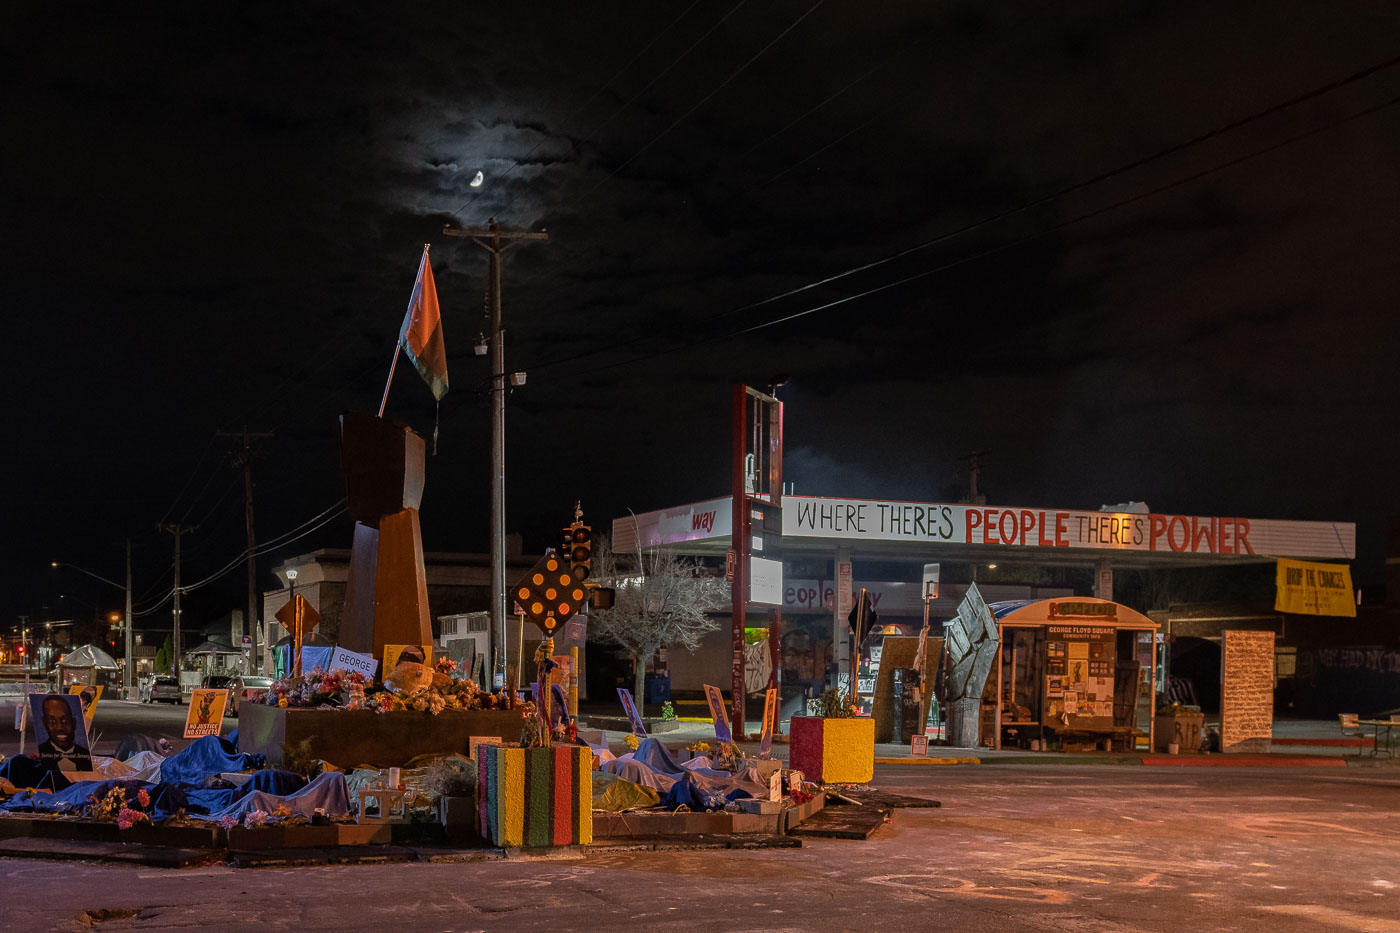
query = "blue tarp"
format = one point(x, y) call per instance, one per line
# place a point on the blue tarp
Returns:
point(203, 757)
point(206, 800)
point(651, 765)
point(326, 792)
point(23, 771)
point(166, 799)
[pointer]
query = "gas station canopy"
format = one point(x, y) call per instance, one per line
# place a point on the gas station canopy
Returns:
point(887, 529)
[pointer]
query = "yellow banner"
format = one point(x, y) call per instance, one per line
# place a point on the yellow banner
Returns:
point(1314, 589)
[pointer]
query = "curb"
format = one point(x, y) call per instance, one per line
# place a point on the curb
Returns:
point(1243, 761)
point(1157, 761)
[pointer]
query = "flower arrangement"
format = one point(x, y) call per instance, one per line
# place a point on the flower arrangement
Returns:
point(832, 704)
point(114, 807)
point(446, 666)
point(344, 689)
point(128, 818)
point(631, 741)
point(726, 756)
point(698, 748)
point(254, 818)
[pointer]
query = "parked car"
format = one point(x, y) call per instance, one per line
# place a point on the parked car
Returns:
point(162, 689)
point(248, 688)
point(220, 682)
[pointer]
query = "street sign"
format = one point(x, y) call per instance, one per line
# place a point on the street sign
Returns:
point(931, 581)
point(731, 559)
point(247, 642)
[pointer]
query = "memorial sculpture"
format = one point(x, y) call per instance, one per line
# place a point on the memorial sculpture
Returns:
point(386, 598)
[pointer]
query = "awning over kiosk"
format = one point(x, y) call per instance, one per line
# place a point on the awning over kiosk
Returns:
point(1070, 610)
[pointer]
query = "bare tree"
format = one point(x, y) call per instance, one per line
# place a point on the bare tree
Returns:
point(661, 600)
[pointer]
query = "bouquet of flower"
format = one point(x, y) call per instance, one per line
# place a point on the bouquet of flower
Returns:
point(114, 807)
point(726, 757)
point(446, 666)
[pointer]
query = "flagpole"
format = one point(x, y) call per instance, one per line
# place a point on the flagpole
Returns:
point(394, 363)
point(390, 381)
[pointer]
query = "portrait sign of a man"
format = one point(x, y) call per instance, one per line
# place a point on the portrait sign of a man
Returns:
point(61, 732)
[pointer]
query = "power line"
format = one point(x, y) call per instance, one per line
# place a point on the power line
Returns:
point(193, 473)
point(1088, 215)
point(998, 216)
point(316, 522)
point(704, 100)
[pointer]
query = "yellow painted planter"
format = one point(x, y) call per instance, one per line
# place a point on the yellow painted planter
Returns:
point(833, 751)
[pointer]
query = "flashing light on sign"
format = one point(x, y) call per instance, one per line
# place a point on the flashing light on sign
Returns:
point(549, 593)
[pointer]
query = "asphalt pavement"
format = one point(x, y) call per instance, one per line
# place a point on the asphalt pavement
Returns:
point(1063, 849)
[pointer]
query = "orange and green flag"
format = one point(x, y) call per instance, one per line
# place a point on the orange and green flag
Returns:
point(421, 334)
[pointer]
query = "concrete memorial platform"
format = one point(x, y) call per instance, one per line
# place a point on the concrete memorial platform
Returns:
point(349, 738)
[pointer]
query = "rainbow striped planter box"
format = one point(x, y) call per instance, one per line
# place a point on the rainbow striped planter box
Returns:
point(833, 751)
point(535, 796)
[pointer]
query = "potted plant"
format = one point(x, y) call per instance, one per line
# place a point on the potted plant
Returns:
point(832, 745)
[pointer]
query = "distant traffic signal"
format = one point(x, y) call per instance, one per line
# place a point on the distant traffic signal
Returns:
point(581, 551)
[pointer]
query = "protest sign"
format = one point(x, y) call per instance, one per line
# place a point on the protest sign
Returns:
point(206, 715)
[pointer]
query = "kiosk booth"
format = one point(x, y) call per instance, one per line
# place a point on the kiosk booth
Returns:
point(1076, 671)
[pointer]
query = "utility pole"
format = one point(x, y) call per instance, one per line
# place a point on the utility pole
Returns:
point(244, 458)
point(176, 529)
point(973, 497)
point(128, 663)
point(496, 242)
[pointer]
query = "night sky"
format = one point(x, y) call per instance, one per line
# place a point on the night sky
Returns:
point(1136, 251)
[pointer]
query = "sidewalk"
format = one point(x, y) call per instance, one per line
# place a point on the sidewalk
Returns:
point(1297, 743)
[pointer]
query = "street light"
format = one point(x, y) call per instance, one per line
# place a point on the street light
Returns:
point(128, 670)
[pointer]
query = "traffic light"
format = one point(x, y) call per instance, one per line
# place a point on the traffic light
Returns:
point(21, 650)
point(550, 594)
point(568, 547)
point(581, 550)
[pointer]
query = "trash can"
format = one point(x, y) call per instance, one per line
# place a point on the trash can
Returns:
point(658, 689)
point(906, 705)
